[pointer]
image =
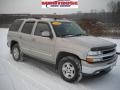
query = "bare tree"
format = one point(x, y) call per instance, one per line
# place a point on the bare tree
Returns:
point(114, 8)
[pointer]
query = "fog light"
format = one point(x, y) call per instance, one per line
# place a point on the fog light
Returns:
point(97, 72)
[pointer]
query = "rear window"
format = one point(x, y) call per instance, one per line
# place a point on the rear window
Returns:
point(16, 25)
point(28, 26)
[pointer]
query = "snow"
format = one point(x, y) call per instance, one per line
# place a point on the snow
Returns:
point(35, 75)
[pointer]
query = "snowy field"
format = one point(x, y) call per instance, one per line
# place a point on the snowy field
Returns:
point(34, 75)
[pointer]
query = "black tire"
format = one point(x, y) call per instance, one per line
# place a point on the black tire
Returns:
point(19, 57)
point(77, 71)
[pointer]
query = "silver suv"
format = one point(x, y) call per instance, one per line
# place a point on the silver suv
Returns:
point(62, 43)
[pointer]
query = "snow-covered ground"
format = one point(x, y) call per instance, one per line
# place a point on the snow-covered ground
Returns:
point(117, 41)
point(34, 75)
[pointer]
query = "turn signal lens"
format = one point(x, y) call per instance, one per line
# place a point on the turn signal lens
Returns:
point(90, 60)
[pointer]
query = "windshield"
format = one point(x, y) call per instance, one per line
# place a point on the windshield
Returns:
point(67, 29)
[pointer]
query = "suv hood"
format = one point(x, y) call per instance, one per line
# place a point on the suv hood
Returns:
point(88, 41)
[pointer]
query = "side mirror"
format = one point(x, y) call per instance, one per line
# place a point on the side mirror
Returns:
point(46, 34)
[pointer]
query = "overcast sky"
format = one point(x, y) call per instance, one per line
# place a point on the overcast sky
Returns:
point(34, 7)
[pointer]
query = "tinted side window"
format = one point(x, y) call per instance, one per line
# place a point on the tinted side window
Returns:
point(16, 25)
point(27, 28)
point(41, 27)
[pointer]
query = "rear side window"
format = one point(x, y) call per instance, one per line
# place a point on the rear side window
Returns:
point(16, 25)
point(27, 28)
point(41, 27)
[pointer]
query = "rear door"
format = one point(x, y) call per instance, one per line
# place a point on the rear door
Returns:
point(25, 36)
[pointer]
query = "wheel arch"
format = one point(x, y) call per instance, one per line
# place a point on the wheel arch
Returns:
point(13, 42)
point(62, 54)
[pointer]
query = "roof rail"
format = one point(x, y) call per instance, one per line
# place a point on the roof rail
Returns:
point(53, 18)
point(46, 18)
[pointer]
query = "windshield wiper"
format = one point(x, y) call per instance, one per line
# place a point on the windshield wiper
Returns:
point(69, 35)
point(81, 35)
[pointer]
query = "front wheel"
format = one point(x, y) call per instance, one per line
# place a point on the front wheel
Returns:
point(70, 69)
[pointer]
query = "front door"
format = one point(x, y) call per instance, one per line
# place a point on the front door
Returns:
point(43, 47)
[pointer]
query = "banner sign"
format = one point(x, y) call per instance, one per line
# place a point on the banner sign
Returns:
point(59, 4)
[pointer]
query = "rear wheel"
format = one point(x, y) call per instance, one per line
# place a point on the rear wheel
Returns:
point(70, 69)
point(16, 53)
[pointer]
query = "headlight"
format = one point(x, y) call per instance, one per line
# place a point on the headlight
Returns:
point(91, 58)
point(92, 53)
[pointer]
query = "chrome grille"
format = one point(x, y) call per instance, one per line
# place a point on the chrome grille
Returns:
point(108, 57)
point(108, 51)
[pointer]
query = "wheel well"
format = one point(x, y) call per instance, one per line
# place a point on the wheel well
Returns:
point(63, 54)
point(12, 44)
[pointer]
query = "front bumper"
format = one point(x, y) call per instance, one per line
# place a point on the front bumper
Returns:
point(95, 68)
